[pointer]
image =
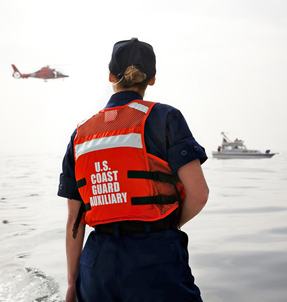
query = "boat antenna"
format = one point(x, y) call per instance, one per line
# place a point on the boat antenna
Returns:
point(227, 139)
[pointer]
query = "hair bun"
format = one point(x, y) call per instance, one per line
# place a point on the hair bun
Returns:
point(133, 76)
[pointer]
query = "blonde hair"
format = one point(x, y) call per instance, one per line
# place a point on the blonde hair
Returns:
point(132, 77)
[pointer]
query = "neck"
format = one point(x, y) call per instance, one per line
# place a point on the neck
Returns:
point(118, 89)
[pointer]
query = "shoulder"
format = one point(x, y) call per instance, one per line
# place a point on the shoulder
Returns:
point(169, 118)
point(165, 113)
point(164, 109)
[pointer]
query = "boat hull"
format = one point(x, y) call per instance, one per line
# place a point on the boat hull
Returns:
point(241, 155)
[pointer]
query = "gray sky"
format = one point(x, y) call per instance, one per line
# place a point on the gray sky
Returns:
point(222, 63)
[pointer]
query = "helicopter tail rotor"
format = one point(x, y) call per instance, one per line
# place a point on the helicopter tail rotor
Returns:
point(16, 74)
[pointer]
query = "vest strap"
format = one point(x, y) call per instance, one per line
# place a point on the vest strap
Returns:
point(156, 176)
point(159, 199)
point(78, 220)
point(83, 208)
point(81, 183)
point(87, 207)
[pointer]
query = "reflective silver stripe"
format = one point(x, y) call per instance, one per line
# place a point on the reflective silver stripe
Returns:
point(84, 121)
point(139, 107)
point(126, 140)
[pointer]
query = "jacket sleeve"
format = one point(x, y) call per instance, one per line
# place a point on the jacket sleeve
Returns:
point(169, 137)
point(67, 186)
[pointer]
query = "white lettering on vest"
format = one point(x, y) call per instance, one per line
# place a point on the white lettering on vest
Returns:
point(105, 186)
point(116, 175)
point(107, 199)
point(125, 196)
point(104, 177)
point(105, 166)
point(97, 167)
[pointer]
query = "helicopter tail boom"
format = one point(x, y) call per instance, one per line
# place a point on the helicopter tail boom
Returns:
point(17, 74)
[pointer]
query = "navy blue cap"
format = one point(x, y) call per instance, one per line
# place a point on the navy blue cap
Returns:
point(132, 52)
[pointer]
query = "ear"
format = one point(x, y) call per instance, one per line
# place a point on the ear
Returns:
point(151, 81)
point(112, 78)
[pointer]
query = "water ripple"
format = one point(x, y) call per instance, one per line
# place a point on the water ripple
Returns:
point(29, 285)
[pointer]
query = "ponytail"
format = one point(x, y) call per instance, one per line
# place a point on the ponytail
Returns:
point(132, 77)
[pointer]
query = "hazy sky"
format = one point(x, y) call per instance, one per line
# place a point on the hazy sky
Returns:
point(222, 63)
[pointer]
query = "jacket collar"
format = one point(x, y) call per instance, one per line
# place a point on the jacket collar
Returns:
point(122, 98)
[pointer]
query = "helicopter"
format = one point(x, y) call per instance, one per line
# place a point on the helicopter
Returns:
point(44, 73)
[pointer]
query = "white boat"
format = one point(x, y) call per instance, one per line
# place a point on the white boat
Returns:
point(237, 149)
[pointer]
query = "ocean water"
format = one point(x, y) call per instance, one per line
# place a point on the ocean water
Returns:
point(237, 244)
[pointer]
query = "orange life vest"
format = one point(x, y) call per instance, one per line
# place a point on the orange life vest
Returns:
point(116, 177)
